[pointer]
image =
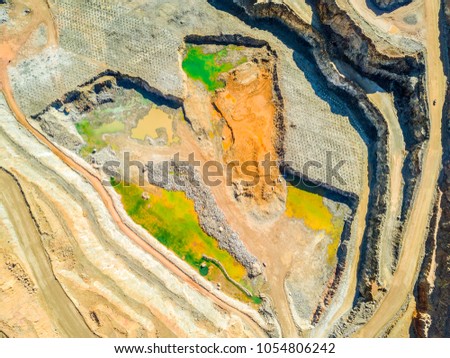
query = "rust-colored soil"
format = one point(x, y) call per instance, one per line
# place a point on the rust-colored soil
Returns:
point(247, 106)
point(12, 40)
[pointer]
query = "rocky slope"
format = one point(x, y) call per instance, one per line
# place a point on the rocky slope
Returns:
point(433, 287)
point(336, 37)
point(338, 59)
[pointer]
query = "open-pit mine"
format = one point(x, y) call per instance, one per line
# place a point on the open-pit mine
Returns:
point(232, 168)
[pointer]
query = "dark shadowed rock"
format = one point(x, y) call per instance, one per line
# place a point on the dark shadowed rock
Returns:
point(389, 5)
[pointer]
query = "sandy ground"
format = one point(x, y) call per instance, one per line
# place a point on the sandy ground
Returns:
point(302, 9)
point(23, 310)
point(69, 321)
point(415, 231)
point(402, 327)
point(255, 235)
point(10, 45)
point(393, 22)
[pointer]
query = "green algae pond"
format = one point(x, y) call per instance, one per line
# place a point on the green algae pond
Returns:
point(93, 134)
point(207, 67)
point(171, 218)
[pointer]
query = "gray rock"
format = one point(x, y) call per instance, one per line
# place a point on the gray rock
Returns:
point(3, 12)
point(59, 126)
point(390, 5)
point(212, 220)
point(101, 157)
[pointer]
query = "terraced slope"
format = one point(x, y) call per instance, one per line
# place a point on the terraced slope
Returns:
point(235, 168)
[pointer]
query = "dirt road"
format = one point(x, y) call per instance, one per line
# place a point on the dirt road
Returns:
point(384, 102)
point(415, 231)
point(396, 33)
point(67, 318)
point(339, 307)
point(10, 45)
point(109, 204)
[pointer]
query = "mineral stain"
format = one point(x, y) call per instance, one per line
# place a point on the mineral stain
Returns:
point(310, 208)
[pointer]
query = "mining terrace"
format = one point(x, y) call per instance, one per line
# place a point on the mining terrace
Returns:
point(236, 168)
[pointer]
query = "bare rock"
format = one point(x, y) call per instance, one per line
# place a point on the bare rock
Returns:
point(390, 5)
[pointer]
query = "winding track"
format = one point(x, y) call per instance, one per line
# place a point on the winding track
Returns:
point(415, 231)
point(403, 280)
point(109, 204)
point(9, 49)
point(61, 308)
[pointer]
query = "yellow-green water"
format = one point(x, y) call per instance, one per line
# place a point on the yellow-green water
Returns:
point(171, 218)
point(155, 119)
point(207, 67)
point(93, 134)
point(315, 214)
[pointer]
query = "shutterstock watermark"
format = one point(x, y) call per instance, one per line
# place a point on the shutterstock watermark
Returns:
point(215, 173)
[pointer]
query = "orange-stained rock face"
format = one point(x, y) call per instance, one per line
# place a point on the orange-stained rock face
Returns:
point(237, 125)
point(247, 106)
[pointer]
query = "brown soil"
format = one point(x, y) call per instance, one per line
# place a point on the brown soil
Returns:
point(244, 112)
point(12, 39)
point(247, 107)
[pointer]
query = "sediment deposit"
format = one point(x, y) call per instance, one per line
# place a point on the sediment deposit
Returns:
point(348, 98)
